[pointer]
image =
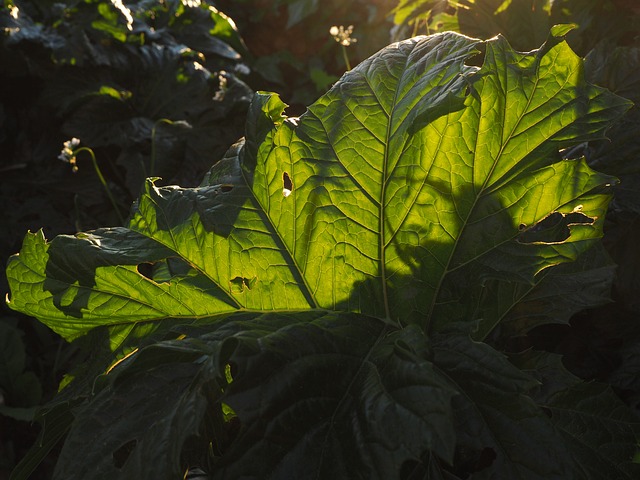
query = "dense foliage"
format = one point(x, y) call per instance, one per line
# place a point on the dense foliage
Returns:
point(392, 285)
point(151, 89)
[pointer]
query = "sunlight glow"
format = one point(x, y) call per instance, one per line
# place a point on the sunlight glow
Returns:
point(14, 12)
point(125, 11)
point(118, 362)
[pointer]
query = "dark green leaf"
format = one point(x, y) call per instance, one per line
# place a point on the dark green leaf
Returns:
point(618, 69)
point(18, 388)
point(495, 415)
point(340, 397)
point(601, 432)
point(554, 297)
point(336, 395)
point(137, 426)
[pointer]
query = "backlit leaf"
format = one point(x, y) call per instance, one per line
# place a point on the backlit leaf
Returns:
point(322, 266)
point(414, 179)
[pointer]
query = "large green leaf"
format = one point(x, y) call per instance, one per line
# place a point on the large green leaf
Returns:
point(413, 180)
point(404, 199)
point(321, 395)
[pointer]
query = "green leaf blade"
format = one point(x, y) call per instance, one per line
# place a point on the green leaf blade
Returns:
point(368, 162)
point(413, 176)
point(100, 284)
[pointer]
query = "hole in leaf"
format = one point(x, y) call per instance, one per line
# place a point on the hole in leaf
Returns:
point(554, 228)
point(477, 59)
point(121, 455)
point(487, 456)
point(146, 270)
point(240, 284)
point(287, 185)
point(226, 188)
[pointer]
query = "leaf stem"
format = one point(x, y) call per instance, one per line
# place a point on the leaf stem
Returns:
point(346, 57)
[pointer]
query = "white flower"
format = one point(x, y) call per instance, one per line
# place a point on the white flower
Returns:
point(68, 153)
point(343, 35)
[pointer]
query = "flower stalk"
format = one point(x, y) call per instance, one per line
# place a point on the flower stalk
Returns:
point(69, 155)
point(343, 37)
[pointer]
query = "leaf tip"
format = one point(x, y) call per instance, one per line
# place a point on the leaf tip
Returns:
point(562, 29)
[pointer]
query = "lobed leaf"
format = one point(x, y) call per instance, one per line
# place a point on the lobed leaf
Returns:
point(316, 395)
point(411, 182)
point(318, 260)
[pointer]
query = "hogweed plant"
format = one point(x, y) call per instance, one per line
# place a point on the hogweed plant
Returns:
point(332, 299)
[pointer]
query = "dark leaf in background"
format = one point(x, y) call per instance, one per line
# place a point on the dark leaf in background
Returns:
point(601, 433)
point(495, 414)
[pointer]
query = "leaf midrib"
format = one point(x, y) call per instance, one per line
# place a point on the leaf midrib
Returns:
point(447, 270)
point(383, 194)
point(288, 256)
